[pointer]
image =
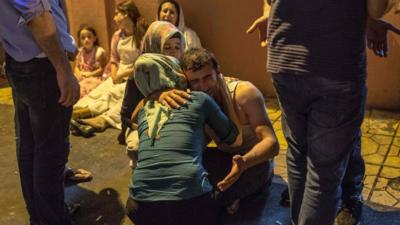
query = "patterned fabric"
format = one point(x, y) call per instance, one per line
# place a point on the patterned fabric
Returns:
point(156, 36)
point(155, 72)
point(192, 40)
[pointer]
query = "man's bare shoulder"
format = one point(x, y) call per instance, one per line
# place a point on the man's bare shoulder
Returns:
point(246, 93)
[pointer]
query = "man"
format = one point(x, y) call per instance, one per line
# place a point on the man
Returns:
point(251, 161)
point(317, 59)
point(35, 38)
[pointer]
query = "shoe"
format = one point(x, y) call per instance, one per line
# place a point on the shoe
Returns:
point(285, 199)
point(81, 129)
point(394, 183)
point(76, 176)
point(78, 113)
point(74, 209)
point(349, 213)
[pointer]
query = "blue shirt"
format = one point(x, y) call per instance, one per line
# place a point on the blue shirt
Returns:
point(15, 36)
point(171, 168)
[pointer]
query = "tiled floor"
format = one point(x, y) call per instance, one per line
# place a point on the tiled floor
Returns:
point(380, 149)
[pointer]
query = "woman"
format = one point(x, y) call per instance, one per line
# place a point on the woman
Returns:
point(161, 37)
point(108, 96)
point(124, 51)
point(171, 11)
point(169, 178)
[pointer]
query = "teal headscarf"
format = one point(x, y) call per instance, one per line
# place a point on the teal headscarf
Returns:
point(155, 72)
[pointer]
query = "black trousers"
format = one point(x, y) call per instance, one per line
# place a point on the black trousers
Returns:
point(202, 210)
point(42, 130)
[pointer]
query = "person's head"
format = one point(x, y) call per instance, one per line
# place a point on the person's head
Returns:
point(164, 38)
point(202, 70)
point(87, 36)
point(154, 72)
point(169, 10)
point(127, 16)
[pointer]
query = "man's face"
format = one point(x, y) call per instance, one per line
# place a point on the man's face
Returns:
point(204, 79)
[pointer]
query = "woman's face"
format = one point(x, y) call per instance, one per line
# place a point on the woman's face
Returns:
point(172, 47)
point(87, 39)
point(169, 13)
point(120, 18)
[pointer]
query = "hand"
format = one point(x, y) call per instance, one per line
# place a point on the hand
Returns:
point(262, 25)
point(174, 98)
point(238, 167)
point(377, 31)
point(69, 89)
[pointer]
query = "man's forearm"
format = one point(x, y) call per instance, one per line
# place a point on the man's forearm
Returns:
point(263, 151)
point(266, 7)
point(45, 34)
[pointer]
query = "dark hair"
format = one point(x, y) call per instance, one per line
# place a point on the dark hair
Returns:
point(173, 2)
point(89, 28)
point(196, 58)
point(128, 7)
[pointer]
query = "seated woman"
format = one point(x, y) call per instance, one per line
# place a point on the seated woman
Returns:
point(161, 37)
point(170, 178)
point(171, 11)
point(124, 51)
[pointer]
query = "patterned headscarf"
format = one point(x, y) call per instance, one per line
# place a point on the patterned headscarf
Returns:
point(154, 72)
point(156, 36)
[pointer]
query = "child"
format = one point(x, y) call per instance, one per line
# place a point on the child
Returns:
point(90, 60)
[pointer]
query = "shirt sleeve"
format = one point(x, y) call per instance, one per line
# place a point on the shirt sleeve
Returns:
point(30, 9)
point(223, 127)
point(114, 56)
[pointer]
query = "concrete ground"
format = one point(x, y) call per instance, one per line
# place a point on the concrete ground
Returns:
point(102, 200)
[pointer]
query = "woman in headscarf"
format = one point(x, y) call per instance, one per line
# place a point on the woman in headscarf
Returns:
point(170, 178)
point(171, 11)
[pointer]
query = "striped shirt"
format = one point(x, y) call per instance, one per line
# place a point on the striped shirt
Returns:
point(320, 37)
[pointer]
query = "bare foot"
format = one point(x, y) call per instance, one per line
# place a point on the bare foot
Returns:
point(234, 207)
point(98, 122)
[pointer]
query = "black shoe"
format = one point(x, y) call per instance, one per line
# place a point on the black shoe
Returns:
point(79, 129)
point(285, 199)
point(350, 213)
point(73, 209)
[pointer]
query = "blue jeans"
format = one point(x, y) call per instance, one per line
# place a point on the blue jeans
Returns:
point(42, 130)
point(321, 121)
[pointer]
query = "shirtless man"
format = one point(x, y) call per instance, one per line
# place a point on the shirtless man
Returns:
point(249, 165)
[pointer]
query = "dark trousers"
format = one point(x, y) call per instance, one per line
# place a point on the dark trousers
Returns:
point(202, 210)
point(42, 130)
point(321, 121)
point(253, 181)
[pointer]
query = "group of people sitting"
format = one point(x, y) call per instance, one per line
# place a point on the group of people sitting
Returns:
point(170, 100)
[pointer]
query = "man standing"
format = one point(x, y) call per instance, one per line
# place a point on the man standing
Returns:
point(317, 57)
point(34, 35)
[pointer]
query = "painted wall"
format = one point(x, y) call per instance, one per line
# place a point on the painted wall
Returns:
point(221, 26)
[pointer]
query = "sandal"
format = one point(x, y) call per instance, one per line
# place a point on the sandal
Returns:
point(76, 176)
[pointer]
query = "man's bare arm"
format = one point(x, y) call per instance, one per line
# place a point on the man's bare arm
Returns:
point(44, 32)
point(251, 102)
point(261, 24)
point(378, 8)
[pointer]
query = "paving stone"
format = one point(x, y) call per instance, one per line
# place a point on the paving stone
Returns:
point(383, 122)
point(6, 96)
point(369, 181)
point(381, 184)
point(383, 197)
point(365, 193)
point(369, 146)
point(389, 172)
point(393, 192)
point(374, 158)
point(371, 170)
point(280, 160)
point(393, 158)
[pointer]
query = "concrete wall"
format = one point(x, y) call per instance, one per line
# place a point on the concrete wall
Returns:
point(221, 26)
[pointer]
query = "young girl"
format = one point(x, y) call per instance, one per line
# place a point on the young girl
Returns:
point(90, 60)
